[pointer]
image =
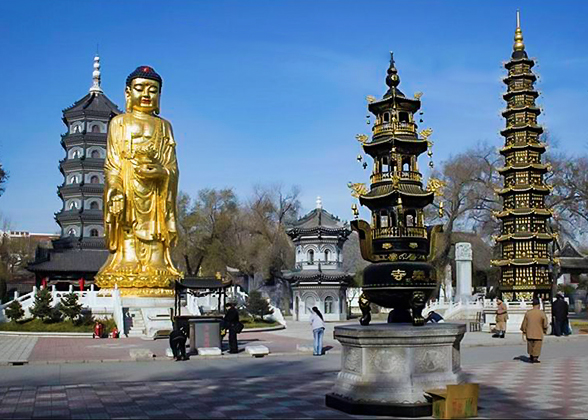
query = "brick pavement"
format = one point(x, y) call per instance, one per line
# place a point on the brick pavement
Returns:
point(554, 389)
point(16, 349)
point(49, 349)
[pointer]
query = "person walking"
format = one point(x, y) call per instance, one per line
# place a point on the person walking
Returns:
point(501, 318)
point(318, 330)
point(231, 323)
point(560, 311)
point(534, 327)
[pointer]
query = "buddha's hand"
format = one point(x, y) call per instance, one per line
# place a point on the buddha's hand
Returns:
point(116, 204)
point(151, 170)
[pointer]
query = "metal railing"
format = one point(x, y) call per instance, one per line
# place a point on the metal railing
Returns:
point(394, 126)
point(387, 232)
point(381, 176)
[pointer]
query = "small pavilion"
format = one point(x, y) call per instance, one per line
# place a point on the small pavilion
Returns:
point(318, 278)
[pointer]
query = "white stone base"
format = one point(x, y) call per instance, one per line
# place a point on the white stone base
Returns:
point(394, 364)
point(209, 351)
point(141, 354)
point(156, 313)
point(257, 351)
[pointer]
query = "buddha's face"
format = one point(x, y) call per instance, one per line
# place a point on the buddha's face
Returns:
point(143, 96)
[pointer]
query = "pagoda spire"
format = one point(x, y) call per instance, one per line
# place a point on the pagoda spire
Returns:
point(319, 203)
point(392, 79)
point(96, 76)
point(519, 45)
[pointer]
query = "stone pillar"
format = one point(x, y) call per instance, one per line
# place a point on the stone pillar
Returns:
point(463, 271)
point(448, 284)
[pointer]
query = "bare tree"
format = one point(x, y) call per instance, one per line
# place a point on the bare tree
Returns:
point(265, 244)
point(569, 197)
point(470, 179)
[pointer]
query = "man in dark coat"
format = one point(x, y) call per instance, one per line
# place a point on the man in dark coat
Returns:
point(560, 315)
point(177, 342)
point(231, 320)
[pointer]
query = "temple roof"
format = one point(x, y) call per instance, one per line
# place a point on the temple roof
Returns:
point(93, 101)
point(317, 275)
point(194, 283)
point(569, 251)
point(319, 217)
point(71, 260)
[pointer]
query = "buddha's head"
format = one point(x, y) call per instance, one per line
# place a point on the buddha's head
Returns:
point(143, 90)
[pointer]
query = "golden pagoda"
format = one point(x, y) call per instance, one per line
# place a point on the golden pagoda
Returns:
point(524, 238)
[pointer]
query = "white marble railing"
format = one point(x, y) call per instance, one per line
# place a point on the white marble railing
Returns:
point(117, 310)
point(91, 299)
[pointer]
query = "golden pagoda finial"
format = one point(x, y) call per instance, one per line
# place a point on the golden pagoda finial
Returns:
point(519, 45)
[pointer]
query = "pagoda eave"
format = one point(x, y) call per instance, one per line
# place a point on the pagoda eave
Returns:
point(403, 145)
point(529, 108)
point(537, 146)
point(521, 262)
point(525, 127)
point(523, 188)
point(523, 212)
point(537, 166)
point(525, 236)
point(531, 92)
point(408, 199)
point(525, 76)
point(522, 60)
point(377, 107)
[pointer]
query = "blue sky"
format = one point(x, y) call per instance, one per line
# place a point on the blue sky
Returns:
point(273, 92)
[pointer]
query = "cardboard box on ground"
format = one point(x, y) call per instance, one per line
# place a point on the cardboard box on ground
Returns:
point(455, 402)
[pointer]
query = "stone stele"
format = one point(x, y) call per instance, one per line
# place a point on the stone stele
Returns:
point(386, 368)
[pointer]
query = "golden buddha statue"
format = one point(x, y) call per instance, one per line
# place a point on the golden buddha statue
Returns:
point(140, 192)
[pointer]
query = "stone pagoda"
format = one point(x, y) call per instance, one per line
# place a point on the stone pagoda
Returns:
point(396, 241)
point(525, 236)
point(83, 166)
point(80, 250)
point(318, 279)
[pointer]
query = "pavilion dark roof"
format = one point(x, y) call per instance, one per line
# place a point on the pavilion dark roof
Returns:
point(96, 102)
point(317, 275)
point(203, 283)
point(71, 260)
point(318, 221)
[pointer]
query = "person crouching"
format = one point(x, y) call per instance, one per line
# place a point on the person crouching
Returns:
point(177, 342)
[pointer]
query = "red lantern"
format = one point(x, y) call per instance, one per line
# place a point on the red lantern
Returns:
point(82, 282)
point(44, 282)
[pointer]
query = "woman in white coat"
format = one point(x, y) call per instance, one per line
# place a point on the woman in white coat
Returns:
point(318, 330)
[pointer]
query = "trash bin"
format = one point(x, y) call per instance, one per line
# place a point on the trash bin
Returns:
point(205, 332)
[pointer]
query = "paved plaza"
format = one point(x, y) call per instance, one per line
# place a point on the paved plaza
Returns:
point(286, 384)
